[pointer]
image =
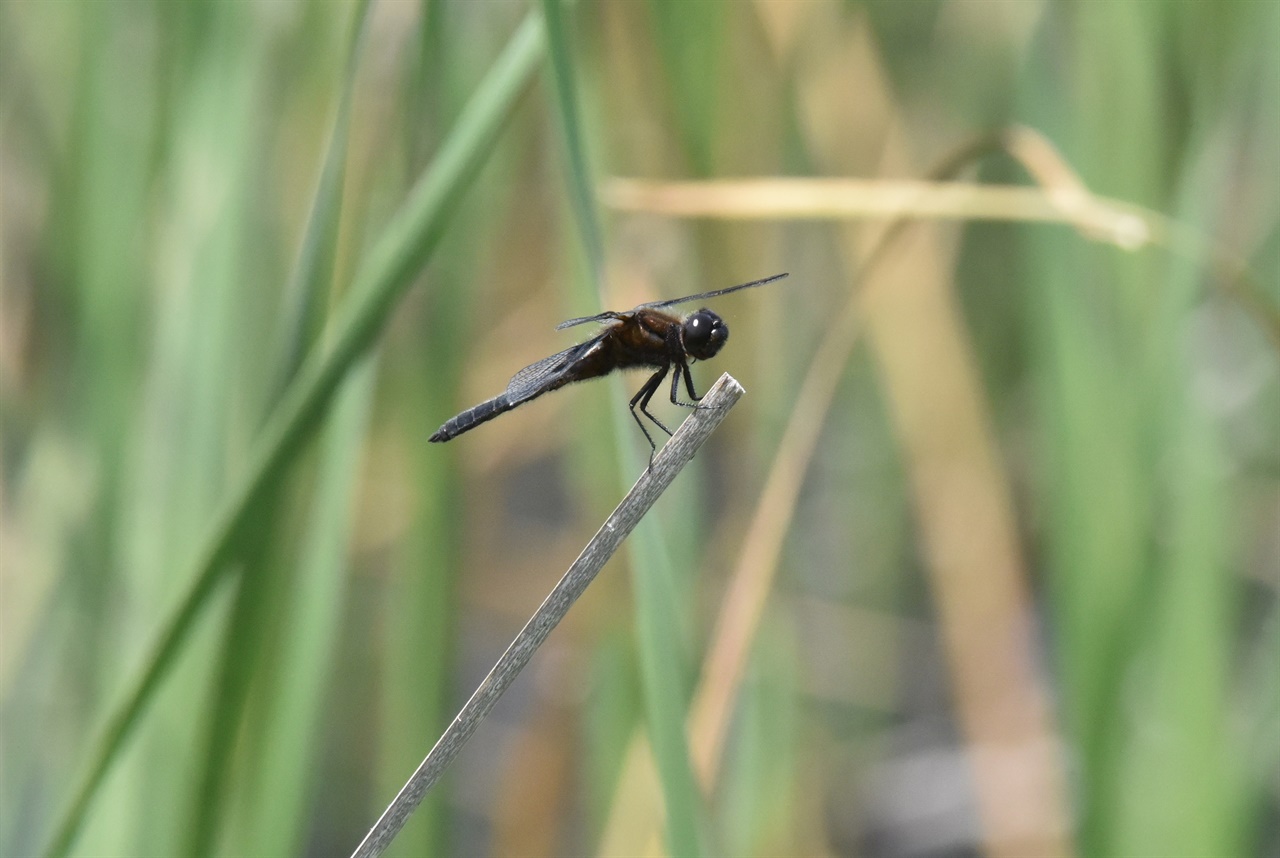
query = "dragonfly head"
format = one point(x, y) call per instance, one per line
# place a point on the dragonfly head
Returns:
point(704, 334)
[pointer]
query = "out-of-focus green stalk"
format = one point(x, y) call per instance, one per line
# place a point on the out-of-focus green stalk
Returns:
point(389, 270)
point(314, 271)
point(691, 38)
point(582, 193)
point(664, 668)
point(664, 672)
point(1137, 505)
point(261, 600)
point(289, 741)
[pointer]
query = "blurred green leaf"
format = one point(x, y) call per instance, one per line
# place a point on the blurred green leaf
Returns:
point(582, 194)
point(387, 272)
point(690, 39)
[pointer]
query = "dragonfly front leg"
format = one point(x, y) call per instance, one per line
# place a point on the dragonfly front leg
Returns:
point(683, 369)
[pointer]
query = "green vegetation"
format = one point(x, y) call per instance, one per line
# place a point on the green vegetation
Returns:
point(986, 558)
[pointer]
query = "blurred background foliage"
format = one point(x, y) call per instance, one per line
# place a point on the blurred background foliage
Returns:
point(992, 537)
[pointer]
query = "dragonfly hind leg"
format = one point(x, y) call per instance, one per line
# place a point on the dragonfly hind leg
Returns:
point(641, 400)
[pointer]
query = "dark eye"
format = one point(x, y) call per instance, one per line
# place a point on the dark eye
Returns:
point(704, 334)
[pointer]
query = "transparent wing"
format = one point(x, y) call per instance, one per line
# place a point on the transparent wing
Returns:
point(536, 378)
point(582, 320)
point(704, 295)
point(609, 314)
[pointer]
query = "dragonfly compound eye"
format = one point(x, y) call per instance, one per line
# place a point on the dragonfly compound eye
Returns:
point(704, 334)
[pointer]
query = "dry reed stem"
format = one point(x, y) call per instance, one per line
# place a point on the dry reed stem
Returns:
point(669, 461)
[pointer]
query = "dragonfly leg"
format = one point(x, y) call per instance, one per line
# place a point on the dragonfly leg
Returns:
point(641, 399)
point(683, 369)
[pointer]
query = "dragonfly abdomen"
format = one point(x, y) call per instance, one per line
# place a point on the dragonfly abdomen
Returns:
point(473, 417)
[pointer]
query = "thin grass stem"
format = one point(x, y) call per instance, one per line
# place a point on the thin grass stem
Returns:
point(673, 457)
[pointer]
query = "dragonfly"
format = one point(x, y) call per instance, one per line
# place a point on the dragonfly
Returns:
point(645, 336)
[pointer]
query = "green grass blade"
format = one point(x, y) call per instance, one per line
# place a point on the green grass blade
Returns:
point(663, 652)
point(242, 642)
point(691, 40)
point(388, 272)
point(289, 740)
point(664, 670)
point(581, 188)
point(314, 270)
point(260, 601)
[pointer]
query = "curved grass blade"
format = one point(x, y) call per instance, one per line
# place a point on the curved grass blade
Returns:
point(260, 585)
point(387, 273)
